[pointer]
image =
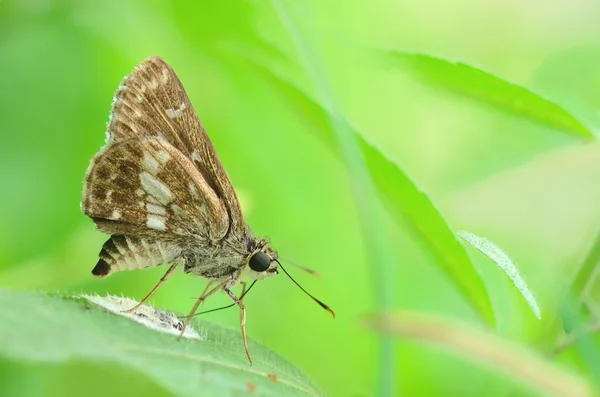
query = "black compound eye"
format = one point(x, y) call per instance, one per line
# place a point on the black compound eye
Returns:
point(260, 262)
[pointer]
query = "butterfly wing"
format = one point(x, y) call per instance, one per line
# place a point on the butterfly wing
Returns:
point(147, 188)
point(151, 101)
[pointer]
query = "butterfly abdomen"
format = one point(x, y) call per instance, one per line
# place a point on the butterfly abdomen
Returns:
point(131, 253)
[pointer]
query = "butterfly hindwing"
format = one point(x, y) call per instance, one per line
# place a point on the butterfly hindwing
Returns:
point(147, 188)
point(151, 101)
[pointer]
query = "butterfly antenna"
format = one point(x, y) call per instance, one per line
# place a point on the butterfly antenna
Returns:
point(305, 269)
point(324, 306)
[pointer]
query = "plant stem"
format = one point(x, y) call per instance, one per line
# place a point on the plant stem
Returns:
point(364, 193)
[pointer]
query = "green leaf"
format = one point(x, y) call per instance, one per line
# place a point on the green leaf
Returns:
point(571, 77)
point(410, 207)
point(36, 329)
point(579, 295)
point(483, 86)
point(587, 273)
point(482, 347)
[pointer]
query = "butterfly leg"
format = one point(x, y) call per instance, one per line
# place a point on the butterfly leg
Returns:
point(202, 298)
point(243, 290)
point(242, 317)
point(161, 282)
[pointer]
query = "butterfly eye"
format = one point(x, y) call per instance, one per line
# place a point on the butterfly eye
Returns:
point(260, 262)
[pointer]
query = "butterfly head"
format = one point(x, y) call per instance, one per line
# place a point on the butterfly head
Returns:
point(263, 262)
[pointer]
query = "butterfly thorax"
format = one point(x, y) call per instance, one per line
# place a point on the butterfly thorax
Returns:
point(227, 257)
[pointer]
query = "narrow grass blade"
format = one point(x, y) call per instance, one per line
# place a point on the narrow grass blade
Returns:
point(481, 347)
point(492, 251)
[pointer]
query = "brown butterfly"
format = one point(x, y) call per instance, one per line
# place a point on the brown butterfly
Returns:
point(159, 189)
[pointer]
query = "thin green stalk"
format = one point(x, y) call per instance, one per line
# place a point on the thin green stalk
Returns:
point(584, 343)
point(365, 195)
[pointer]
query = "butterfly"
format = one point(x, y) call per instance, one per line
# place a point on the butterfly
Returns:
point(160, 190)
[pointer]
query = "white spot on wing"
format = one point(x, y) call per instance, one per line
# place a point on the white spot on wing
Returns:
point(153, 84)
point(140, 192)
point(150, 163)
point(156, 222)
point(162, 136)
point(138, 114)
point(174, 113)
point(139, 98)
point(156, 209)
point(115, 216)
point(165, 77)
point(156, 188)
point(193, 189)
point(196, 156)
point(152, 200)
point(162, 156)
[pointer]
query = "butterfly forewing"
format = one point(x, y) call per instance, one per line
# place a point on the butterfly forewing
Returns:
point(148, 188)
point(151, 101)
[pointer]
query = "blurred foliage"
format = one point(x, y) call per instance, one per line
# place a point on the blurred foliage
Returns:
point(491, 142)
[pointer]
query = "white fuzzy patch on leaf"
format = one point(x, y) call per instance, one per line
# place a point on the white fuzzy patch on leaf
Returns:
point(156, 319)
point(492, 251)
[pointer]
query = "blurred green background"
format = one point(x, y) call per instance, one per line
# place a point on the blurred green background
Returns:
point(531, 187)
